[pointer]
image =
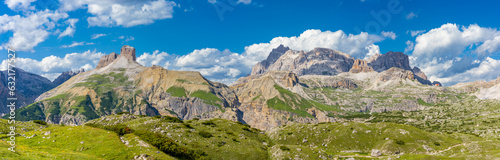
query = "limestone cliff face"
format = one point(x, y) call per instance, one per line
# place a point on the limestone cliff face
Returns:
point(120, 84)
point(322, 61)
point(107, 59)
point(258, 95)
point(319, 61)
point(390, 59)
point(261, 67)
point(128, 52)
point(360, 66)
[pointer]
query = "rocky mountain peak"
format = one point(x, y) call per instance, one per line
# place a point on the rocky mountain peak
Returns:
point(128, 52)
point(65, 76)
point(389, 60)
point(107, 59)
point(275, 54)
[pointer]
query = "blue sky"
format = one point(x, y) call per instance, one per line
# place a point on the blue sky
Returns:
point(177, 34)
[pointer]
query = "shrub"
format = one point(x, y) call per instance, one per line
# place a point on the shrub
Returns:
point(120, 113)
point(188, 126)
point(120, 129)
point(171, 119)
point(284, 148)
point(157, 116)
point(247, 129)
point(205, 134)
point(437, 143)
point(209, 123)
point(400, 142)
point(220, 144)
point(196, 119)
point(40, 122)
point(229, 132)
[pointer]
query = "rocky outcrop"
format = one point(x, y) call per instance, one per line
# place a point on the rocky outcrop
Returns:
point(422, 78)
point(106, 60)
point(261, 67)
point(128, 52)
point(396, 73)
point(329, 81)
point(390, 59)
point(65, 76)
point(319, 61)
point(360, 66)
point(418, 73)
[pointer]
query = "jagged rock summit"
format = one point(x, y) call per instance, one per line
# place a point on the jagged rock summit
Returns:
point(323, 61)
point(128, 52)
point(65, 76)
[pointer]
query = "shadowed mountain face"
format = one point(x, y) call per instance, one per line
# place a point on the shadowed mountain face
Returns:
point(66, 76)
point(29, 86)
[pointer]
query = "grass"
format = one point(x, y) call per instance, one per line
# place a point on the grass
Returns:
point(177, 91)
point(224, 143)
point(208, 97)
point(65, 142)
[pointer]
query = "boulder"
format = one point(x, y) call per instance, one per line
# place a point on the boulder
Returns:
point(376, 153)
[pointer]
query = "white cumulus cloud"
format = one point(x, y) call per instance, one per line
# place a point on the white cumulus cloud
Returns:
point(52, 66)
point(126, 13)
point(389, 34)
point(30, 30)
point(452, 50)
point(70, 30)
point(20, 4)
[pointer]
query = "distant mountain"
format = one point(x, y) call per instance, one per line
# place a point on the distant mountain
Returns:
point(66, 76)
point(482, 89)
point(28, 87)
point(322, 61)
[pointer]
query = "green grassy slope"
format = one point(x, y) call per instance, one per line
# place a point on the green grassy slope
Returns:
point(74, 142)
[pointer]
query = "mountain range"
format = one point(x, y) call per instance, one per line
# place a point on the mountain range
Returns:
point(318, 104)
point(290, 86)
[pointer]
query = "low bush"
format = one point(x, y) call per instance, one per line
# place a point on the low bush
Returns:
point(437, 143)
point(188, 126)
point(120, 129)
point(120, 113)
point(40, 122)
point(209, 123)
point(171, 119)
point(284, 148)
point(205, 134)
point(400, 142)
